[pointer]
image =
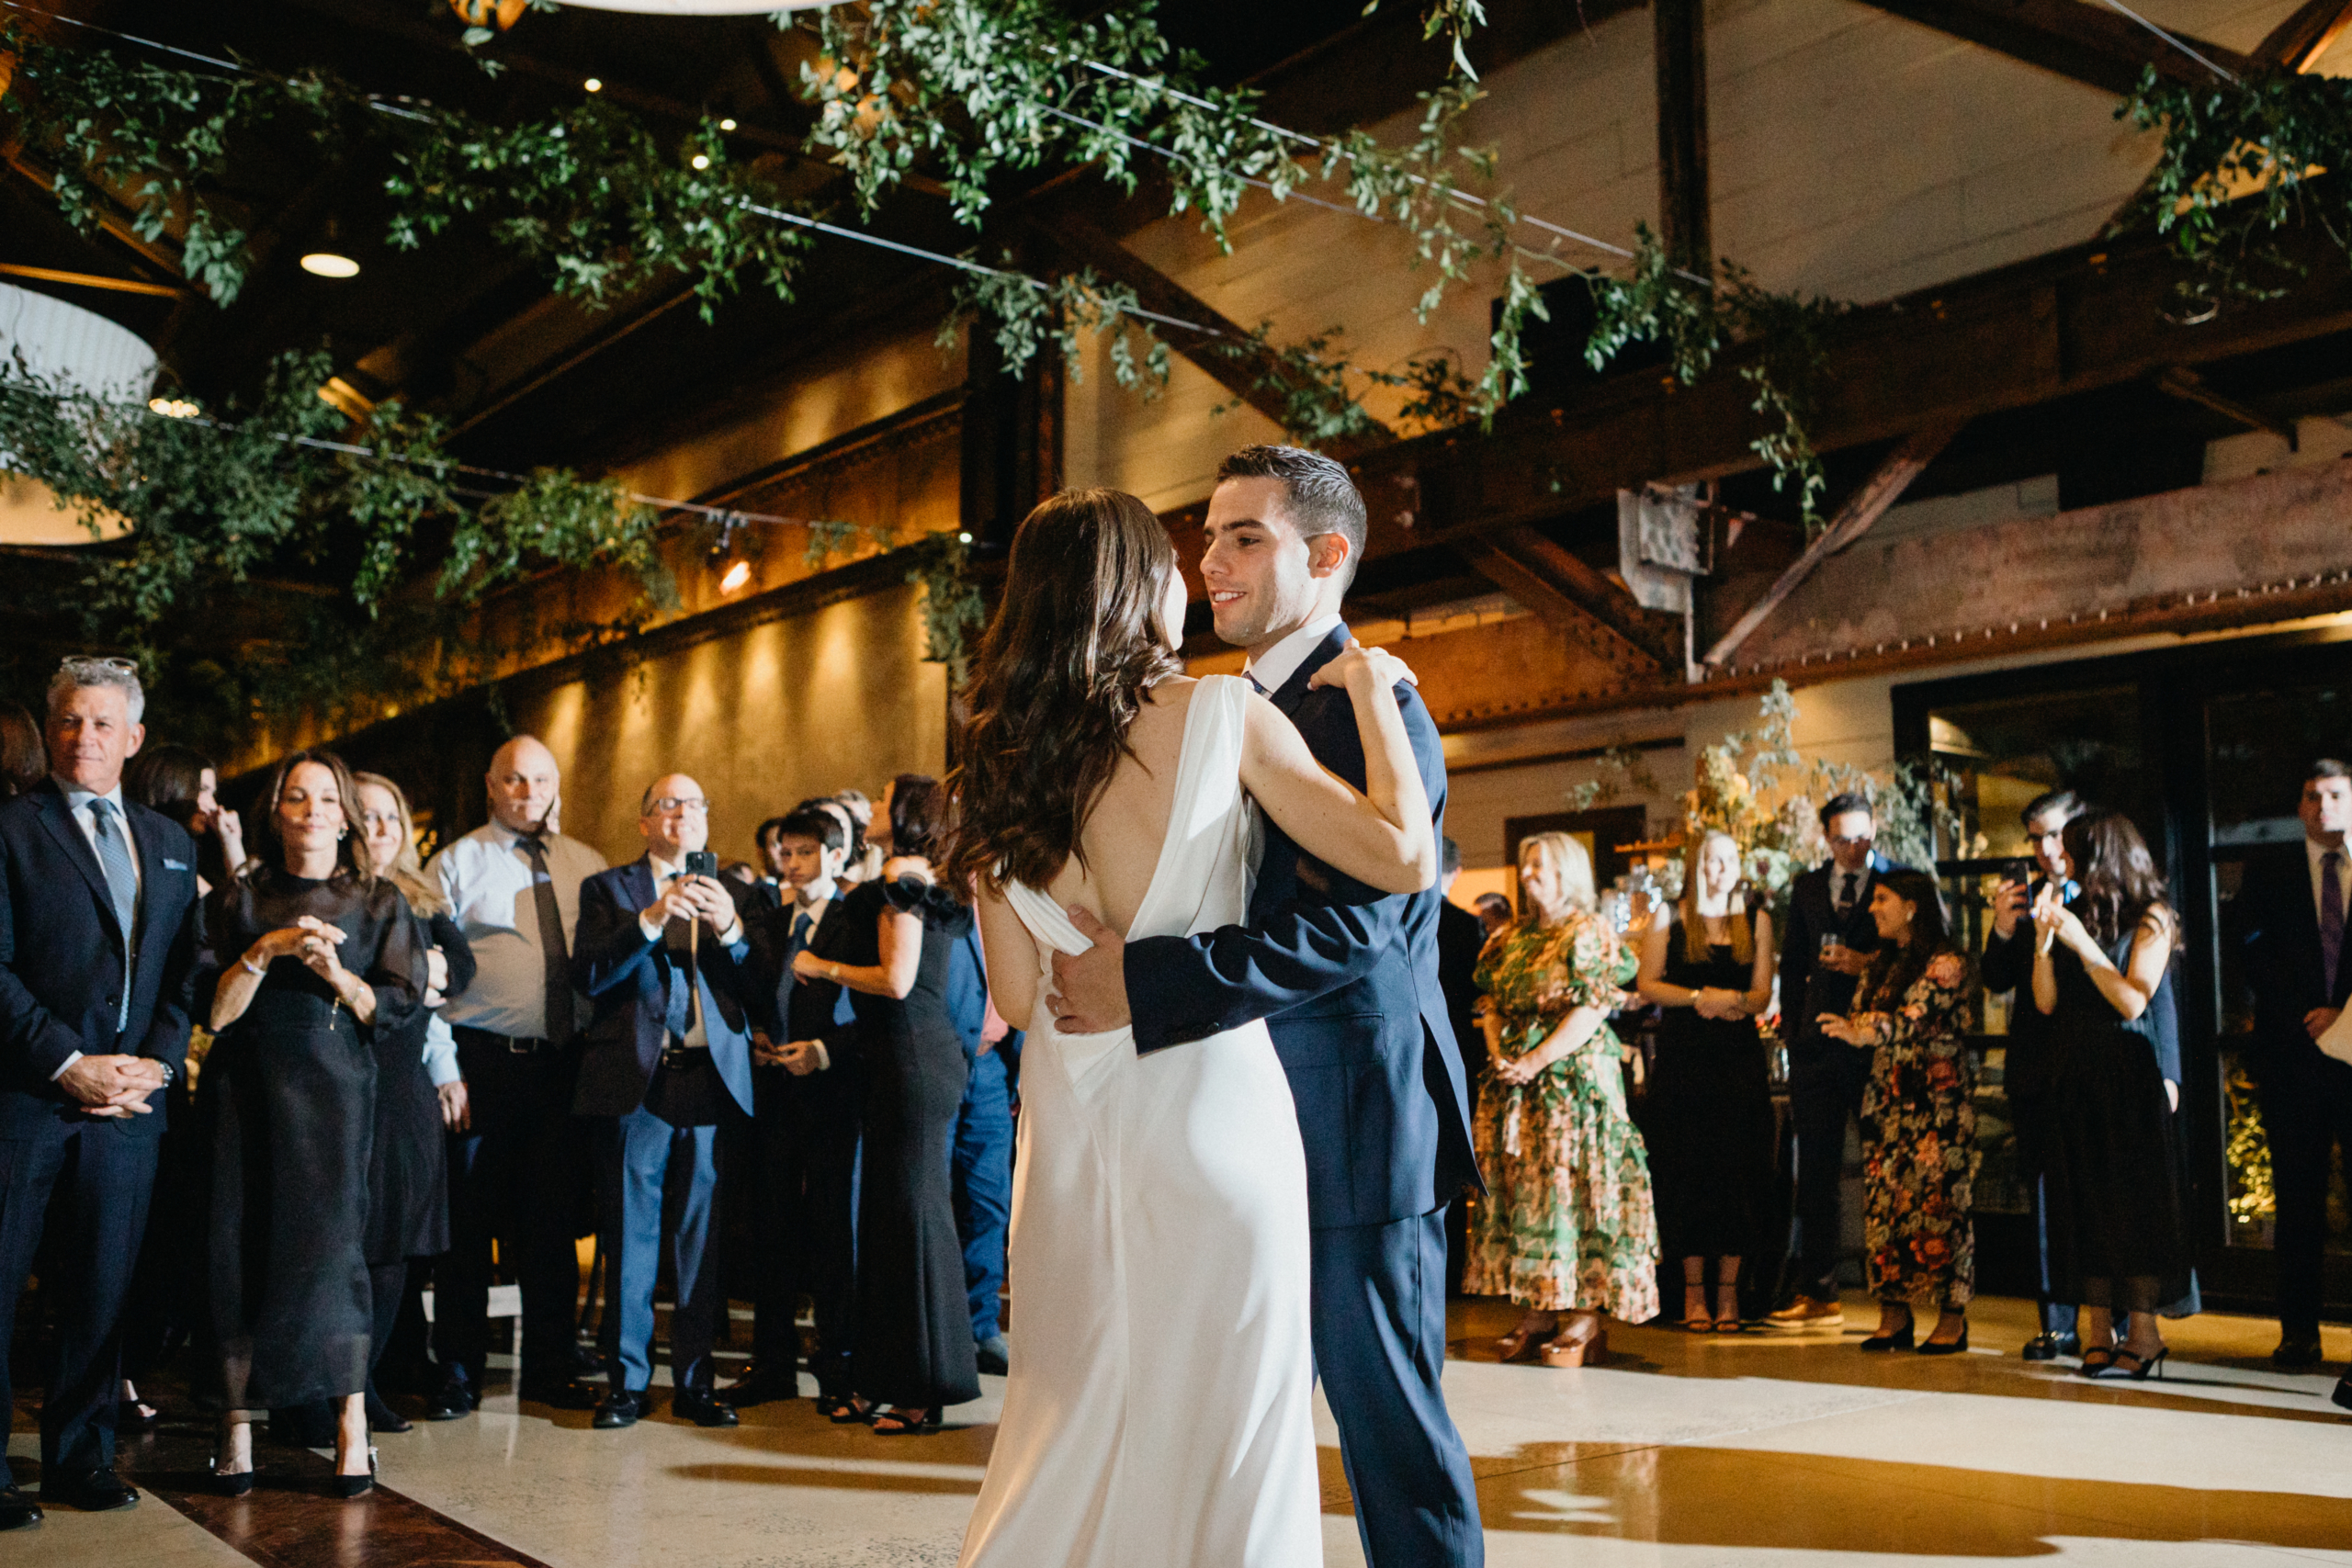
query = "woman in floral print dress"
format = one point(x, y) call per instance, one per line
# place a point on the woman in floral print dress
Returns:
point(1568, 1224)
point(1918, 1117)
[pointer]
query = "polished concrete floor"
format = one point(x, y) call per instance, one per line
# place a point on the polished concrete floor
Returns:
point(1681, 1451)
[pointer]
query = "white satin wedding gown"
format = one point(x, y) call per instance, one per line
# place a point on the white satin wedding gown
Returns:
point(1160, 1407)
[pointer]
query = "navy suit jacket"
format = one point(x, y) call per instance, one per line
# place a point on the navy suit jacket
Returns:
point(1347, 980)
point(626, 979)
point(61, 969)
point(790, 1009)
point(2277, 933)
point(967, 999)
point(1807, 992)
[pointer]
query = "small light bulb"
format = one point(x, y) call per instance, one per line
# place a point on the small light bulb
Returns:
point(593, 85)
point(726, 125)
point(702, 161)
point(962, 538)
point(328, 264)
point(737, 575)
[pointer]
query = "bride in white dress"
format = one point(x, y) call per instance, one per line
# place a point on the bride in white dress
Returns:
point(1158, 1410)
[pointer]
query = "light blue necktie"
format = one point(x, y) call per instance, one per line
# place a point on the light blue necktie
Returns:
point(1255, 684)
point(122, 885)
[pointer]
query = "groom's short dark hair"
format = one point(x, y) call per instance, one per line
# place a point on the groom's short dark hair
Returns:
point(1322, 498)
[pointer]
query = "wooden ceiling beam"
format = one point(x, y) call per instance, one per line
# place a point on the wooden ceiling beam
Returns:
point(2087, 43)
point(1854, 519)
point(1555, 585)
point(2297, 43)
point(2180, 381)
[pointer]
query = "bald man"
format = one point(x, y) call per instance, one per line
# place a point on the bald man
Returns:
point(662, 957)
point(514, 1163)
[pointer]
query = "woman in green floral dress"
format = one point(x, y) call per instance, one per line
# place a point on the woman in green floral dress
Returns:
point(1918, 1117)
point(1568, 1224)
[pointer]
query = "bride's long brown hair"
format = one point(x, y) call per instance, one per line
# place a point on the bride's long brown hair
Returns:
point(1060, 677)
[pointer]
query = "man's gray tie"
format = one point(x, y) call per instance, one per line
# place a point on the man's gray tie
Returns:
point(2331, 917)
point(122, 886)
point(553, 954)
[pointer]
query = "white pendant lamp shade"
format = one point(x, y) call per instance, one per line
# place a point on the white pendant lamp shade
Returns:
point(63, 343)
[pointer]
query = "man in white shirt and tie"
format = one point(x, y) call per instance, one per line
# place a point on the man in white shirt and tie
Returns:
point(662, 957)
point(515, 1169)
point(1823, 951)
point(2289, 916)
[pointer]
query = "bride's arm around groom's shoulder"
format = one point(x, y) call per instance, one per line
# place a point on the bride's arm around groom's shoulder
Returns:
point(1383, 835)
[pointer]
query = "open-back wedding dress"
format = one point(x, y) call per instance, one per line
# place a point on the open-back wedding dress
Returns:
point(1160, 1410)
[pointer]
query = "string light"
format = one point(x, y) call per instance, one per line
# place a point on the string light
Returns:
point(593, 84)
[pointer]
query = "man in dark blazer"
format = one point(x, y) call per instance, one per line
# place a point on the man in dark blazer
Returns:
point(1347, 981)
point(97, 956)
point(2289, 915)
point(668, 1055)
point(1461, 938)
point(980, 1155)
point(2009, 967)
point(806, 1089)
point(1826, 1076)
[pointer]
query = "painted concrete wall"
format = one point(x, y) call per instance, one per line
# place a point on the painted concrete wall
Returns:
point(762, 719)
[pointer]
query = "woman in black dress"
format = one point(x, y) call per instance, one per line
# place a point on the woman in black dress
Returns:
point(420, 1099)
point(1708, 962)
point(2101, 972)
point(914, 1352)
point(314, 959)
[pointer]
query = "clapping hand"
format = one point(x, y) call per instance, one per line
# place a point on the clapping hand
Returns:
point(318, 949)
point(1384, 669)
point(2053, 921)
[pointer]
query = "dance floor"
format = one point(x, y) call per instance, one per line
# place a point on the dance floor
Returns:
point(1680, 1452)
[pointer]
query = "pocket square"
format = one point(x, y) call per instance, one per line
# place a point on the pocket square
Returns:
point(171, 864)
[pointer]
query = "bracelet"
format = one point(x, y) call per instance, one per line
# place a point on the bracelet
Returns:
point(247, 965)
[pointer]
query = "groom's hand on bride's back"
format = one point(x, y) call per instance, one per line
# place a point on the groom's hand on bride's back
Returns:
point(1090, 988)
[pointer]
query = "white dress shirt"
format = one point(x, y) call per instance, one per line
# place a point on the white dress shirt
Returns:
point(486, 876)
point(1273, 669)
point(2314, 852)
point(77, 803)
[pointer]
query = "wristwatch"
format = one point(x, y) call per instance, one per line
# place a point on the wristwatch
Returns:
point(171, 1076)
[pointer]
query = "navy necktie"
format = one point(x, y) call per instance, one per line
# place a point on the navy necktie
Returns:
point(2330, 916)
point(1255, 684)
point(802, 924)
point(122, 886)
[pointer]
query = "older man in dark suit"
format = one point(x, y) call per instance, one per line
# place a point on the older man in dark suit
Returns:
point(668, 1055)
point(97, 942)
point(1347, 981)
point(2290, 918)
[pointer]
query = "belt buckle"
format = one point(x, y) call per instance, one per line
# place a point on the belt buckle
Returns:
point(516, 1045)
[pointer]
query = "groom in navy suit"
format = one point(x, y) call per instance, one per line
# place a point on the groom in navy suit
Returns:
point(1347, 980)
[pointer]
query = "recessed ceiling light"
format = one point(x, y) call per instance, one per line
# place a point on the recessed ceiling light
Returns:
point(593, 85)
point(702, 161)
point(726, 125)
point(328, 264)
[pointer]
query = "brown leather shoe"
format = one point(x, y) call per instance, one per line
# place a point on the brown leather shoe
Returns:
point(1806, 1312)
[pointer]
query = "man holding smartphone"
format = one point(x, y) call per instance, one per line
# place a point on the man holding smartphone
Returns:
point(2009, 967)
point(1828, 944)
point(662, 955)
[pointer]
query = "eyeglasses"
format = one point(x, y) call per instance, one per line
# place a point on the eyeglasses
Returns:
point(1855, 841)
point(662, 806)
point(371, 820)
point(81, 661)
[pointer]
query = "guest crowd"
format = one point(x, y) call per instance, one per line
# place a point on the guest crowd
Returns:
point(413, 1075)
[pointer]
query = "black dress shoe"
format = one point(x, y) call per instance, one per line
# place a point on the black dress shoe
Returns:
point(702, 1407)
point(2296, 1351)
point(2342, 1396)
point(585, 1363)
point(94, 1493)
point(620, 1408)
point(453, 1399)
point(2040, 1347)
point(17, 1511)
point(993, 1355)
point(759, 1385)
point(382, 1417)
point(2068, 1344)
point(564, 1396)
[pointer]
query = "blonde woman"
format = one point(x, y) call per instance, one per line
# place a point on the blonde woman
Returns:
point(1707, 960)
point(1567, 1225)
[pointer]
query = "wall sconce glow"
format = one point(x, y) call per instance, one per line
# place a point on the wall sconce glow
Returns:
point(327, 263)
point(737, 575)
point(592, 86)
point(173, 408)
point(702, 161)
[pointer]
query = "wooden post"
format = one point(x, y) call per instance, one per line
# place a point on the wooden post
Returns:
point(1682, 195)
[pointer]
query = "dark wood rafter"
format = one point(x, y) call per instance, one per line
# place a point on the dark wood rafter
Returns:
point(2087, 43)
point(1854, 519)
point(2297, 43)
point(2180, 381)
point(1214, 348)
point(94, 280)
point(109, 219)
point(1562, 589)
point(1684, 205)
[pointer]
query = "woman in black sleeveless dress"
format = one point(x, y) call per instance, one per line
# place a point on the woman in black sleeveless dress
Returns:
point(313, 961)
point(2101, 972)
point(1710, 1123)
point(914, 1353)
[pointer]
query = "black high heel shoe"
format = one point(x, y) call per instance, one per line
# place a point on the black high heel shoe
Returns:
point(234, 1484)
point(2105, 1360)
point(349, 1486)
point(1953, 1348)
point(1900, 1340)
point(2143, 1368)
